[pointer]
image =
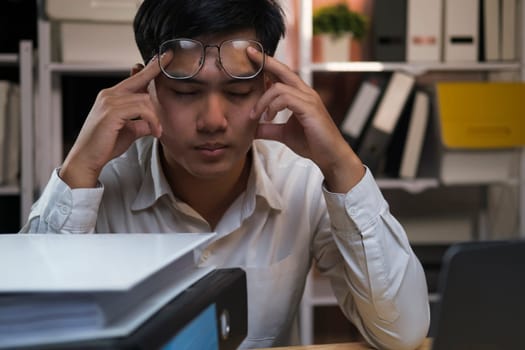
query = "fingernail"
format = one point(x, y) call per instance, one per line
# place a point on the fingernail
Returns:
point(154, 58)
point(264, 116)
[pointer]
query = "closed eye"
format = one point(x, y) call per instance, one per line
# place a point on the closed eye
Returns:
point(242, 93)
point(186, 93)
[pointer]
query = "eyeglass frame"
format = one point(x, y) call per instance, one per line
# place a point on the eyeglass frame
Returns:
point(203, 57)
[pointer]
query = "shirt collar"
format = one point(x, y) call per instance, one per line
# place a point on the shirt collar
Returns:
point(260, 181)
point(155, 185)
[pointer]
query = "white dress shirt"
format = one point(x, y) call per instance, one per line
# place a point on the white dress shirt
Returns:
point(283, 220)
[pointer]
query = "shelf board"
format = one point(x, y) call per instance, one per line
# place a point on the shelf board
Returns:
point(103, 68)
point(368, 66)
point(413, 68)
point(322, 294)
point(421, 184)
point(11, 190)
point(8, 59)
point(411, 186)
point(434, 297)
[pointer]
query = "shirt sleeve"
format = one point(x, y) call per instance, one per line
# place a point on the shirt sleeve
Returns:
point(61, 209)
point(377, 279)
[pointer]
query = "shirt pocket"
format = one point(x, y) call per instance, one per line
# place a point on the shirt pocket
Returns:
point(274, 294)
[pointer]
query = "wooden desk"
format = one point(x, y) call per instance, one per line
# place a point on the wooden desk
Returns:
point(346, 346)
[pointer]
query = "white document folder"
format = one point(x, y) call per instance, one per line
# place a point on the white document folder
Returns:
point(461, 24)
point(95, 31)
point(492, 29)
point(415, 136)
point(361, 109)
point(459, 167)
point(89, 10)
point(509, 14)
point(58, 288)
point(424, 30)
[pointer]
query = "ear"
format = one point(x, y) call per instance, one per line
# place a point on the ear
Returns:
point(136, 68)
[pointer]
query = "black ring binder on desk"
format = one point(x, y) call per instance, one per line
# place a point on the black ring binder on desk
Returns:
point(224, 288)
point(210, 314)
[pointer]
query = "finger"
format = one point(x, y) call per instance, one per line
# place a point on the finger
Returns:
point(278, 69)
point(140, 81)
point(136, 129)
point(141, 108)
point(277, 98)
point(134, 107)
point(141, 118)
point(277, 105)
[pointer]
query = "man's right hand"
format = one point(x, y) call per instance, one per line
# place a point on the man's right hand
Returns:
point(119, 116)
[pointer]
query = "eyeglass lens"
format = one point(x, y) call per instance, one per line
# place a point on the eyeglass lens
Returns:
point(188, 58)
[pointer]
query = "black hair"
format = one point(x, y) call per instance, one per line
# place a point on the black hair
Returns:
point(159, 20)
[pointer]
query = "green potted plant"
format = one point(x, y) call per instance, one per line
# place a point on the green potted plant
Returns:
point(337, 25)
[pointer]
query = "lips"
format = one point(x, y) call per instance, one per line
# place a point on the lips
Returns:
point(210, 147)
point(211, 151)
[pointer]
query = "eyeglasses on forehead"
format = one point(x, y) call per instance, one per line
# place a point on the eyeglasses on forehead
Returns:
point(189, 55)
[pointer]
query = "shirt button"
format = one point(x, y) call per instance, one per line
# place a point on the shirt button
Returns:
point(205, 255)
point(63, 210)
point(352, 211)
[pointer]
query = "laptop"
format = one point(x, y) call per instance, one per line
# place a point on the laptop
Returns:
point(482, 288)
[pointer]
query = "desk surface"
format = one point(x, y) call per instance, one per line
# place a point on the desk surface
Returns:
point(346, 346)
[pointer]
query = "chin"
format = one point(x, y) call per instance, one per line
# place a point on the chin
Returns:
point(210, 172)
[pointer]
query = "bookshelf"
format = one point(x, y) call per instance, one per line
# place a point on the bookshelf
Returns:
point(413, 68)
point(51, 71)
point(318, 291)
point(49, 144)
point(23, 62)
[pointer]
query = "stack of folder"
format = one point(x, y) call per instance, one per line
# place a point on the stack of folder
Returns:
point(445, 30)
point(64, 288)
point(387, 123)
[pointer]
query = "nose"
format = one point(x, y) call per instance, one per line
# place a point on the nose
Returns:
point(213, 116)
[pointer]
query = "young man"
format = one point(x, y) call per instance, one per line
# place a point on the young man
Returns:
point(185, 145)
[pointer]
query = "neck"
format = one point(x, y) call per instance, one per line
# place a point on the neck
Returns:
point(209, 197)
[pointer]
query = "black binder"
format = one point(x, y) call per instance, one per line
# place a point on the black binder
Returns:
point(389, 29)
point(213, 311)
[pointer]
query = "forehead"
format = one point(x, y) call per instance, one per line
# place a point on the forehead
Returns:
point(215, 39)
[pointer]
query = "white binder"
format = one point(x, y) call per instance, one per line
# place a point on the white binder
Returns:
point(415, 136)
point(424, 30)
point(95, 31)
point(461, 25)
point(508, 30)
point(58, 288)
point(361, 109)
point(459, 167)
point(89, 10)
point(5, 86)
point(491, 29)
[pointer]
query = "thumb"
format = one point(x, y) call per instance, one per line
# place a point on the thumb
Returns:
point(270, 131)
